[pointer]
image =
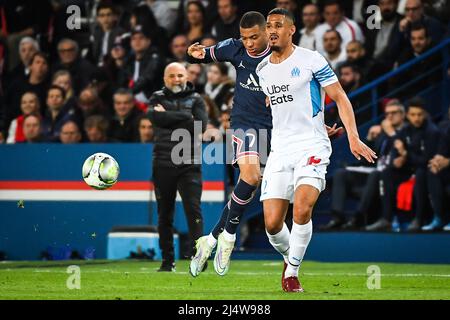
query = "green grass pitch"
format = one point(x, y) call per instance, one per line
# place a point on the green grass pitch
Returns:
point(245, 280)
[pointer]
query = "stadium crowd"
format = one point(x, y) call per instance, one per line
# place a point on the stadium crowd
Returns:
point(65, 83)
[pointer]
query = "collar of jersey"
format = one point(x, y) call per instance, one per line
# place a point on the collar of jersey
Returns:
point(261, 54)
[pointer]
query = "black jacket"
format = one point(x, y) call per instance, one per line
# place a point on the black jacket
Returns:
point(125, 130)
point(151, 71)
point(421, 144)
point(97, 42)
point(182, 109)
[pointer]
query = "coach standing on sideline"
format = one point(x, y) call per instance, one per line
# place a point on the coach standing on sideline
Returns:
point(174, 107)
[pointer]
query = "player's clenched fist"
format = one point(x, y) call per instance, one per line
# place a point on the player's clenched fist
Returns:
point(197, 51)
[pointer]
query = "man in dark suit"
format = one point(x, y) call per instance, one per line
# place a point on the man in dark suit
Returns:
point(105, 32)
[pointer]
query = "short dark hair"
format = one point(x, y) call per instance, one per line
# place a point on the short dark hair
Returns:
point(97, 121)
point(418, 26)
point(348, 64)
point(282, 12)
point(417, 102)
point(332, 3)
point(38, 54)
point(335, 31)
point(123, 92)
point(106, 5)
point(251, 19)
point(56, 87)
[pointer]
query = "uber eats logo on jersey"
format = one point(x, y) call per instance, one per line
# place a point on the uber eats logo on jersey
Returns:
point(278, 94)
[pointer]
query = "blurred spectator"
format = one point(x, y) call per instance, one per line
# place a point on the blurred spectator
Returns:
point(438, 9)
point(70, 133)
point(438, 178)
point(332, 44)
point(163, 14)
point(196, 21)
point(292, 6)
point(80, 69)
point(27, 48)
point(370, 69)
point(208, 40)
point(56, 115)
point(96, 128)
point(212, 110)
point(218, 84)
point(142, 15)
point(195, 74)
point(22, 18)
point(36, 82)
point(225, 121)
point(335, 20)
point(413, 147)
point(106, 31)
point(209, 6)
point(115, 61)
point(90, 104)
point(383, 44)
point(424, 73)
point(227, 26)
point(414, 14)
point(178, 48)
point(350, 78)
point(362, 182)
point(146, 132)
point(32, 128)
point(29, 104)
point(143, 70)
point(63, 79)
point(123, 126)
point(105, 89)
point(311, 19)
point(212, 133)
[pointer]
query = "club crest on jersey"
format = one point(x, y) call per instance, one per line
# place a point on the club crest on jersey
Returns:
point(295, 73)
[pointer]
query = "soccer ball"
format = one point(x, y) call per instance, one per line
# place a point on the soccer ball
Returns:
point(100, 171)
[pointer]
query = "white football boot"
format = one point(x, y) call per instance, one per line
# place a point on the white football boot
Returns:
point(223, 254)
point(202, 253)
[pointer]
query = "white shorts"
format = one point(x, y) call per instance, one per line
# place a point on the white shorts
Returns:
point(284, 173)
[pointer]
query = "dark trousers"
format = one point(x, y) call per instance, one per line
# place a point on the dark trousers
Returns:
point(436, 186)
point(187, 180)
point(360, 185)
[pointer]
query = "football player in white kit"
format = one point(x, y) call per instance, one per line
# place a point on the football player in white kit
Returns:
point(295, 81)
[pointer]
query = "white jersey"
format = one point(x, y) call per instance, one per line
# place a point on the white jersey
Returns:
point(295, 89)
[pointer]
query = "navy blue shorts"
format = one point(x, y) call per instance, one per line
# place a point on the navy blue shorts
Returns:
point(248, 141)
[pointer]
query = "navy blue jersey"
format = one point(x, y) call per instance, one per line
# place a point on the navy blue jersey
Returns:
point(249, 104)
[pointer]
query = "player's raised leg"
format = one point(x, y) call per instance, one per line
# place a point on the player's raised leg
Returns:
point(206, 244)
point(241, 196)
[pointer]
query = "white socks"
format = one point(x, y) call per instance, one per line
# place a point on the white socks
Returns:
point(211, 240)
point(280, 241)
point(298, 242)
point(228, 236)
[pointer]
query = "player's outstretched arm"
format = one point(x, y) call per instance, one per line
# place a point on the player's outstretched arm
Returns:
point(357, 147)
